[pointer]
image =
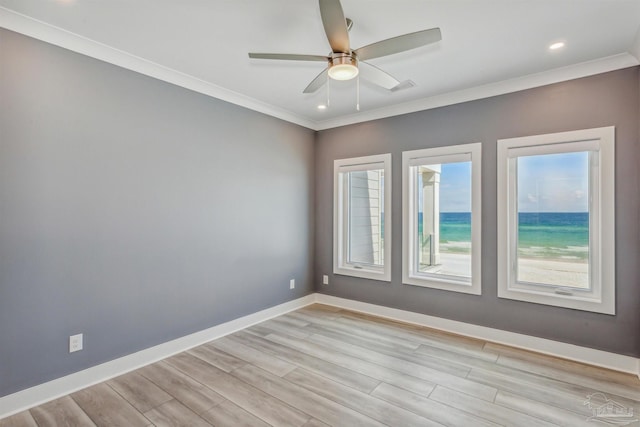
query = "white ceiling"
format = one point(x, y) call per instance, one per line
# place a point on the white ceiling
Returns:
point(488, 47)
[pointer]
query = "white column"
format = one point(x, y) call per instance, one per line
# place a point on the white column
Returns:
point(431, 210)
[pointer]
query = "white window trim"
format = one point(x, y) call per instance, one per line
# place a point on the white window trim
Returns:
point(602, 263)
point(340, 266)
point(446, 154)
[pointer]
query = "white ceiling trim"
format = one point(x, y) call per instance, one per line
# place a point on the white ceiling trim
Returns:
point(57, 36)
point(635, 49)
point(40, 30)
point(584, 69)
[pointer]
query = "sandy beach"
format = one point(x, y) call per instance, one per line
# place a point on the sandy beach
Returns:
point(561, 273)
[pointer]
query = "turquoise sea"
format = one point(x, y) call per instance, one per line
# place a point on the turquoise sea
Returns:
point(562, 235)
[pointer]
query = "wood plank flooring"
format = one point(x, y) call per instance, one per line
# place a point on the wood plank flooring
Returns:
point(322, 366)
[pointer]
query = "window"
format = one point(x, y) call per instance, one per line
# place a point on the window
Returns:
point(362, 217)
point(441, 218)
point(556, 230)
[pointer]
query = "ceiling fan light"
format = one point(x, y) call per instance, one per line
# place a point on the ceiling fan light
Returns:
point(343, 72)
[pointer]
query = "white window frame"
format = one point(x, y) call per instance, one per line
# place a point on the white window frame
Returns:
point(601, 296)
point(410, 276)
point(340, 217)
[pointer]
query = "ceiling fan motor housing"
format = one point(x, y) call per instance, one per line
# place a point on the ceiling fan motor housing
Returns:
point(343, 58)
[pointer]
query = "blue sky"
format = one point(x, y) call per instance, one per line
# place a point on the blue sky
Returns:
point(554, 183)
point(546, 183)
point(455, 187)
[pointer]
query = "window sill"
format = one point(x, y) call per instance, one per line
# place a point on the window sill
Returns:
point(445, 284)
point(365, 273)
point(577, 302)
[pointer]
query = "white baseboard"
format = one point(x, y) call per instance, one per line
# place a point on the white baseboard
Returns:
point(25, 399)
point(616, 362)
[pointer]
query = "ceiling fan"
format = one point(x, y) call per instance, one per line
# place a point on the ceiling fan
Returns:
point(343, 62)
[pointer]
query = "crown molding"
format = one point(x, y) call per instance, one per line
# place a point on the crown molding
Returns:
point(40, 30)
point(635, 48)
point(571, 72)
point(71, 41)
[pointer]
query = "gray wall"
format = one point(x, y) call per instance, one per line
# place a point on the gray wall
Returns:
point(135, 212)
point(602, 100)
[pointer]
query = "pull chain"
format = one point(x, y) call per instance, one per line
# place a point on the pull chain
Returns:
point(358, 93)
point(328, 88)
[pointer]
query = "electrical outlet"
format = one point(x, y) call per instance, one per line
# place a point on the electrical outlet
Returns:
point(292, 283)
point(325, 279)
point(75, 343)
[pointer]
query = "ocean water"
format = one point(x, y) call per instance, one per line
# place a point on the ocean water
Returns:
point(562, 235)
point(455, 227)
point(455, 232)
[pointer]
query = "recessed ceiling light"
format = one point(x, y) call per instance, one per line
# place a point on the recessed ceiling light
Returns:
point(556, 45)
point(322, 107)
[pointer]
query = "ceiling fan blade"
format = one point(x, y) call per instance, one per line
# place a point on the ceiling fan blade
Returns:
point(376, 76)
point(335, 25)
point(288, 57)
point(316, 83)
point(398, 44)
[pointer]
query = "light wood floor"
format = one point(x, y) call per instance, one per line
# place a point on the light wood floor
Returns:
point(322, 366)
